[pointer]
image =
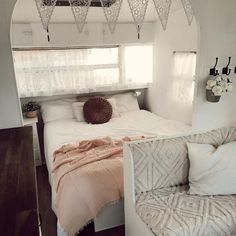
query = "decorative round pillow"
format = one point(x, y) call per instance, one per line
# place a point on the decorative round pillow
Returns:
point(97, 110)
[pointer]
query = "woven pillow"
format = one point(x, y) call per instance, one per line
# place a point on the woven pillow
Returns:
point(97, 110)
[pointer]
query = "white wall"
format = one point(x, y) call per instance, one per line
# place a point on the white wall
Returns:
point(178, 37)
point(66, 34)
point(217, 19)
point(10, 111)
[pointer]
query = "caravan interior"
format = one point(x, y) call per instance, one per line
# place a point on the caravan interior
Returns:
point(118, 117)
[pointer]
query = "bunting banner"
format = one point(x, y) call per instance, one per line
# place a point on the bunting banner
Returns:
point(188, 10)
point(80, 10)
point(163, 11)
point(111, 11)
point(138, 9)
point(45, 10)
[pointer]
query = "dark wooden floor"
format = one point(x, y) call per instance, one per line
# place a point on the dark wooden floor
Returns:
point(49, 221)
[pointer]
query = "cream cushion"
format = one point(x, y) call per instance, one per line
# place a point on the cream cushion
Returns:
point(212, 170)
point(173, 212)
point(57, 110)
point(77, 108)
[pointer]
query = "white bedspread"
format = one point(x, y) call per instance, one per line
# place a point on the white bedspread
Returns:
point(134, 123)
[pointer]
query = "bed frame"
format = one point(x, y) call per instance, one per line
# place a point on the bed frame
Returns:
point(110, 216)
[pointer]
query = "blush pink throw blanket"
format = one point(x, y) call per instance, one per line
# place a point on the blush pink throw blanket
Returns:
point(87, 176)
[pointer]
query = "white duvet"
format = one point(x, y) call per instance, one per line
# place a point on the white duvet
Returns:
point(133, 123)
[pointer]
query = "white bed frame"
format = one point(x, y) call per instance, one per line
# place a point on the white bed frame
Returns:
point(112, 215)
point(134, 226)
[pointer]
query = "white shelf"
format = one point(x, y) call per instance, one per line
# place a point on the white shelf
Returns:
point(30, 121)
point(33, 123)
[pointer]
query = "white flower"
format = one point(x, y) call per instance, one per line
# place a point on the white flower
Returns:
point(218, 78)
point(208, 87)
point(230, 87)
point(223, 85)
point(211, 83)
point(217, 90)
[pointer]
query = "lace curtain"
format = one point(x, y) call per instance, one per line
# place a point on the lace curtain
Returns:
point(181, 85)
point(51, 72)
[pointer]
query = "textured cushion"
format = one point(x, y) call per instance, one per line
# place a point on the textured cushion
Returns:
point(97, 110)
point(212, 170)
point(77, 108)
point(163, 163)
point(172, 212)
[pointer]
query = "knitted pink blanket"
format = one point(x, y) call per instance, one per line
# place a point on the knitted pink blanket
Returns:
point(87, 176)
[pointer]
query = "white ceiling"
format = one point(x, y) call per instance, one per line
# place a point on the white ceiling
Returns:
point(26, 11)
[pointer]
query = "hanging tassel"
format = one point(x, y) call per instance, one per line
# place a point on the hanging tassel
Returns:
point(48, 36)
point(138, 32)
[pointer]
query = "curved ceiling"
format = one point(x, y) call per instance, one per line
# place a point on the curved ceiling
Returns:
point(26, 11)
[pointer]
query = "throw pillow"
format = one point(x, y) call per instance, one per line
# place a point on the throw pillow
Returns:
point(97, 110)
point(212, 170)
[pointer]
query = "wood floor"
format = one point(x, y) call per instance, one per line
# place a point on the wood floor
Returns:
point(48, 217)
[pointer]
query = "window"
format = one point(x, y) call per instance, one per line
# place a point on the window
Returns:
point(138, 64)
point(181, 89)
point(183, 73)
point(48, 72)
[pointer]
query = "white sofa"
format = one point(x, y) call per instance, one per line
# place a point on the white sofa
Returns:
point(156, 190)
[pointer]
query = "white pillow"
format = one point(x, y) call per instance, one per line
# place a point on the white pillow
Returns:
point(126, 102)
point(77, 108)
point(115, 112)
point(57, 110)
point(212, 170)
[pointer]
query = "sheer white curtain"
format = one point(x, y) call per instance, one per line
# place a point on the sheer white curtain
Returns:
point(50, 72)
point(181, 85)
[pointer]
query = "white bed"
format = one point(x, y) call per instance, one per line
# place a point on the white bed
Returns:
point(132, 123)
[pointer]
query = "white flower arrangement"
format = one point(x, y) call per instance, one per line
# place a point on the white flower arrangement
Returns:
point(219, 85)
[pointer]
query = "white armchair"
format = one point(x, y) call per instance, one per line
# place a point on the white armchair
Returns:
point(156, 190)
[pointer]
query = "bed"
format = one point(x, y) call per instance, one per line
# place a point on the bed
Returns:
point(131, 123)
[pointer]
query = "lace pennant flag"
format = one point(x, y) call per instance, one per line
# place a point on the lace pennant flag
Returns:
point(163, 11)
point(188, 10)
point(80, 11)
point(45, 10)
point(138, 9)
point(111, 10)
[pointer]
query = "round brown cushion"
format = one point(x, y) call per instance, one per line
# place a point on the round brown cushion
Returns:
point(97, 110)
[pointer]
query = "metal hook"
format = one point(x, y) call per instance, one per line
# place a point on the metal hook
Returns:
point(226, 70)
point(213, 70)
